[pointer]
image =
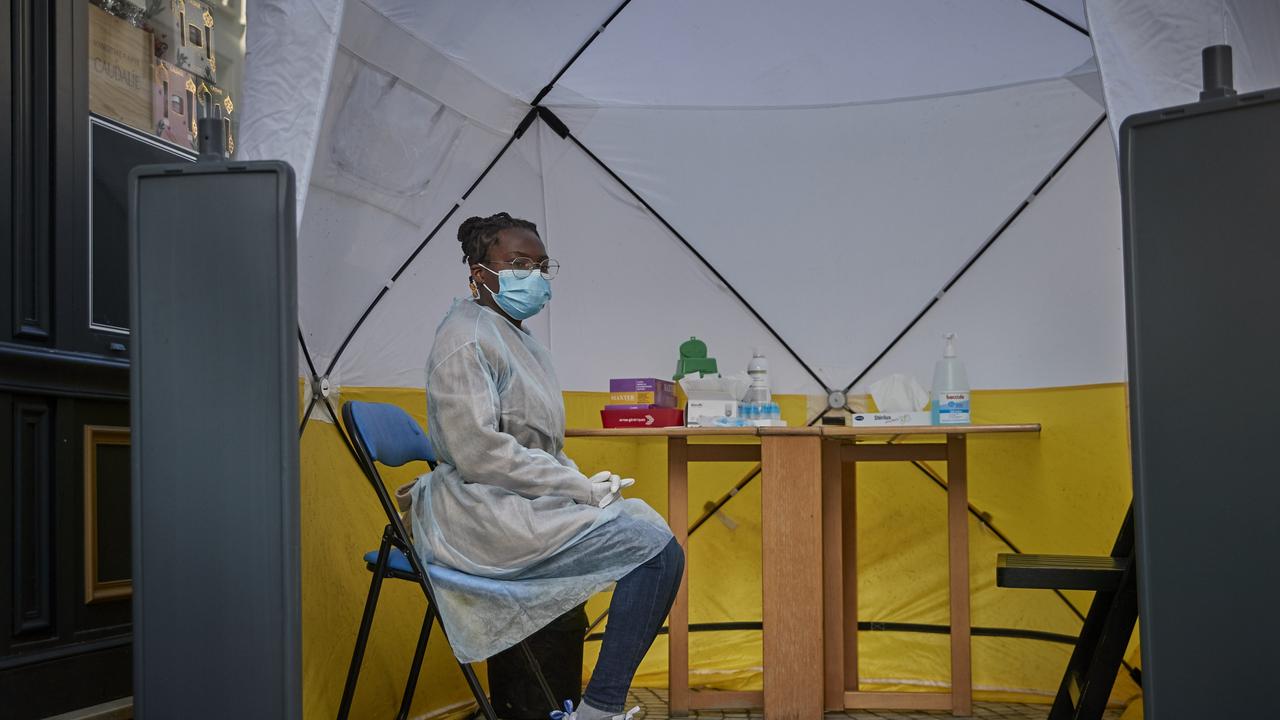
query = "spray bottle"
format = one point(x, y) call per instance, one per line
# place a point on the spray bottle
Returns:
point(950, 401)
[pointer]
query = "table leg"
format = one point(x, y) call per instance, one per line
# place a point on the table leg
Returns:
point(958, 544)
point(832, 576)
point(791, 529)
point(678, 620)
point(849, 571)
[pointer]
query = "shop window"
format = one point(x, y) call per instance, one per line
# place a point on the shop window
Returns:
point(144, 53)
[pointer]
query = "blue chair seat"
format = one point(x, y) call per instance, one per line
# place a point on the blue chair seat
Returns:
point(397, 561)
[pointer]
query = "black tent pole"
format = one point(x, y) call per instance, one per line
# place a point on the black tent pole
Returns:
point(1059, 17)
point(302, 342)
point(557, 126)
point(983, 518)
point(519, 132)
point(524, 125)
point(1008, 221)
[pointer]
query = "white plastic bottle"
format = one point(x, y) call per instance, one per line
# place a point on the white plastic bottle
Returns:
point(758, 369)
point(950, 396)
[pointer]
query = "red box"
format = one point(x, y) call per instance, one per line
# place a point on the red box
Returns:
point(652, 417)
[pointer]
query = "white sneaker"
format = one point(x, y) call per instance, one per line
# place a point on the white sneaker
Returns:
point(570, 714)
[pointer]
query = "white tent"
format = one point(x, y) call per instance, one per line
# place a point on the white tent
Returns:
point(835, 183)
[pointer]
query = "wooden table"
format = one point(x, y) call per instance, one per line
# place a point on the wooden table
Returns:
point(792, 536)
point(841, 451)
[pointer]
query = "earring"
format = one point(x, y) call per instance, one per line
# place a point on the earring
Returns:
point(475, 292)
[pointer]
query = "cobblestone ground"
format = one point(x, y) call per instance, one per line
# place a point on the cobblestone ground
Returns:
point(654, 704)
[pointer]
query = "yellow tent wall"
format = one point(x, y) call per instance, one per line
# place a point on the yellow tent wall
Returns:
point(1064, 491)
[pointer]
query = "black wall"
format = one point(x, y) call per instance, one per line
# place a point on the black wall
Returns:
point(58, 374)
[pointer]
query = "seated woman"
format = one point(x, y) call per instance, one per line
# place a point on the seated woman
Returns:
point(506, 503)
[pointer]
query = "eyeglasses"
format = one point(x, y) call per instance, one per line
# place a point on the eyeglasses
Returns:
point(524, 267)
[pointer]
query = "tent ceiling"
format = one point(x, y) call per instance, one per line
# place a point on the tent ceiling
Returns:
point(897, 138)
point(514, 45)
point(752, 53)
point(764, 53)
point(839, 224)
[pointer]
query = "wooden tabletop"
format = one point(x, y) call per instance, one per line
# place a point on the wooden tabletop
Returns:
point(844, 431)
point(831, 431)
point(661, 432)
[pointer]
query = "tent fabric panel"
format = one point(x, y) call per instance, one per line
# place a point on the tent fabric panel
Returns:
point(760, 53)
point(390, 349)
point(388, 144)
point(514, 46)
point(342, 276)
point(866, 210)
point(1072, 10)
point(289, 55)
point(1149, 50)
point(629, 293)
point(1041, 307)
point(377, 40)
point(373, 202)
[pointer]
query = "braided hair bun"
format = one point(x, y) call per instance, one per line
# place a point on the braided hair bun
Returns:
point(478, 234)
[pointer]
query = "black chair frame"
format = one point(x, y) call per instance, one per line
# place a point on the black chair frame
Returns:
point(395, 536)
point(1099, 651)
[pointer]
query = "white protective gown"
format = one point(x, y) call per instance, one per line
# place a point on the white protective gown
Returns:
point(505, 519)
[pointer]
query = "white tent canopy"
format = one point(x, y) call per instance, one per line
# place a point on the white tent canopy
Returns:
point(838, 165)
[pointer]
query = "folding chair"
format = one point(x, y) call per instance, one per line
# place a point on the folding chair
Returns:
point(1099, 652)
point(385, 434)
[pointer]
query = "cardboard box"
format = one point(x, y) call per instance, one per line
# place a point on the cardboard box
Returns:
point(120, 58)
point(713, 401)
point(711, 412)
point(652, 417)
point(642, 398)
point(642, 391)
point(184, 37)
point(642, 385)
point(173, 100)
point(921, 417)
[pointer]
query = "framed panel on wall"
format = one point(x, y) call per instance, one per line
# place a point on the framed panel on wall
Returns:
point(107, 539)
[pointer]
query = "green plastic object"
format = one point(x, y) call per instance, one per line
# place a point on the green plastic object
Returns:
point(693, 359)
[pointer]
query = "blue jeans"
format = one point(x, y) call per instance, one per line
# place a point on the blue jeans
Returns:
point(640, 603)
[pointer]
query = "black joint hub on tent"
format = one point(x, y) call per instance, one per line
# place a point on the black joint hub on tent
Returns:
point(555, 124)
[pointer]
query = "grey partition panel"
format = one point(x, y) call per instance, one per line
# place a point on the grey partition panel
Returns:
point(215, 447)
point(1201, 187)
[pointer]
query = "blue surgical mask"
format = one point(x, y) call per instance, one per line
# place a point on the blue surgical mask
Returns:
point(521, 298)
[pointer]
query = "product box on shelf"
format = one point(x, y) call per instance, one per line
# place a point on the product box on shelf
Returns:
point(184, 37)
point(173, 101)
point(119, 69)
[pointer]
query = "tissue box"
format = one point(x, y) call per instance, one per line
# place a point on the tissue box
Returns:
point(713, 401)
point(647, 417)
point(711, 411)
point(921, 417)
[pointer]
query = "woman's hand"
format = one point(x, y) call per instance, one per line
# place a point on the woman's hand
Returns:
point(607, 487)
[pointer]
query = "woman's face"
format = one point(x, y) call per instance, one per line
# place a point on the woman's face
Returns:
point(512, 243)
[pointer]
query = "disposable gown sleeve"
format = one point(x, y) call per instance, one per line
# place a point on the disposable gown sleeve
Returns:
point(566, 460)
point(464, 402)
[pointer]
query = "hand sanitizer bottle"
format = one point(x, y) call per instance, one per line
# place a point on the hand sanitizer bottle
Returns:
point(758, 369)
point(950, 401)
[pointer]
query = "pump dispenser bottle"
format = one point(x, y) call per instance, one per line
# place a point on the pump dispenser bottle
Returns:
point(950, 397)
